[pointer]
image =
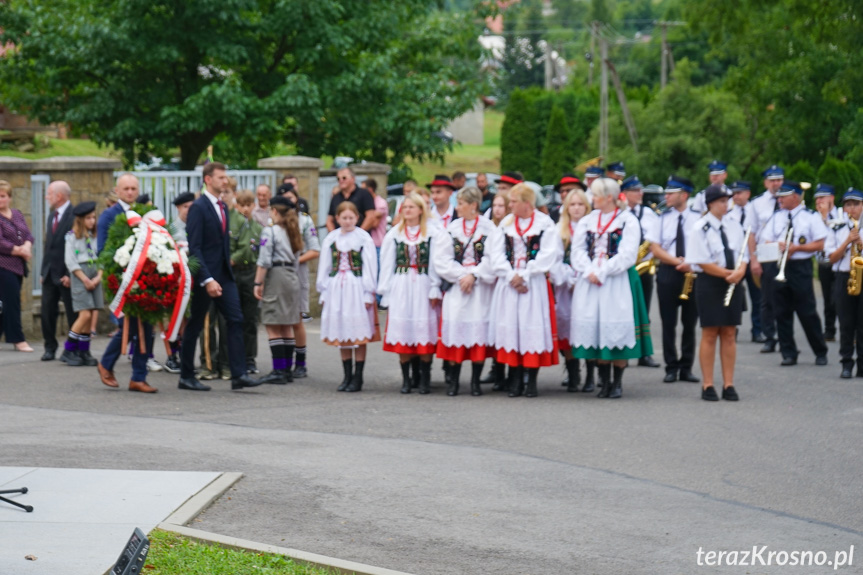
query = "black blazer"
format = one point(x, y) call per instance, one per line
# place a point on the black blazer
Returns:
point(54, 250)
point(106, 220)
point(207, 243)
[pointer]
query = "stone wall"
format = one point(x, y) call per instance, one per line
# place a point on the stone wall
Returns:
point(90, 179)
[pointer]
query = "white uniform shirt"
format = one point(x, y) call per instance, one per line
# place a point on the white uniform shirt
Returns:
point(837, 233)
point(665, 234)
point(808, 227)
point(745, 216)
point(763, 207)
point(705, 241)
point(649, 222)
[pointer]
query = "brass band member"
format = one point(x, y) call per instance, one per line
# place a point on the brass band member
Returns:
point(669, 246)
point(796, 293)
point(825, 205)
point(842, 244)
point(715, 245)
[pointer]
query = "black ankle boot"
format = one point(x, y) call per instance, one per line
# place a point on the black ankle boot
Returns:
point(574, 375)
point(406, 377)
point(532, 374)
point(499, 377)
point(347, 365)
point(476, 373)
point(453, 372)
point(86, 358)
point(357, 380)
point(604, 370)
point(617, 385)
point(489, 378)
point(516, 381)
point(425, 377)
point(415, 365)
point(589, 367)
point(447, 366)
point(277, 376)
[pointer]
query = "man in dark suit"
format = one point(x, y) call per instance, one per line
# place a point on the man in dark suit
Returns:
point(207, 229)
point(55, 276)
point(127, 193)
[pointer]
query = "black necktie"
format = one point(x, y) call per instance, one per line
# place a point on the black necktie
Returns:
point(743, 216)
point(681, 249)
point(776, 204)
point(729, 256)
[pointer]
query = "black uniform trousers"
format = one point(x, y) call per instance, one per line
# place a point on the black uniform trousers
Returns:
point(52, 294)
point(647, 288)
point(797, 295)
point(850, 310)
point(755, 298)
point(768, 299)
point(669, 285)
point(229, 306)
point(827, 279)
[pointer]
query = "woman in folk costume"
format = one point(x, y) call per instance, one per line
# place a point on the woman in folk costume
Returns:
point(522, 323)
point(562, 275)
point(462, 265)
point(346, 281)
point(611, 325)
point(411, 290)
point(277, 286)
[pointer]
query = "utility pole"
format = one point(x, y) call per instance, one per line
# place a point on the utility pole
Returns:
point(603, 98)
point(667, 59)
point(624, 107)
point(593, 32)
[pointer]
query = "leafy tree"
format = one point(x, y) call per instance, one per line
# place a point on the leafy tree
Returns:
point(518, 136)
point(839, 173)
point(557, 155)
point(367, 78)
point(523, 64)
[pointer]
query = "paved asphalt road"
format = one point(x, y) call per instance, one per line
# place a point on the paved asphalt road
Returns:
point(564, 483)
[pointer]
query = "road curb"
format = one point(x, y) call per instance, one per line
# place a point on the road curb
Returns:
point(195, 505)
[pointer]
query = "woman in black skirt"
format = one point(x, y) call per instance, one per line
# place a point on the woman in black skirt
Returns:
point(714, 245)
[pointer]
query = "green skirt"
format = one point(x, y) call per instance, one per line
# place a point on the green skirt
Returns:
point(643, 344)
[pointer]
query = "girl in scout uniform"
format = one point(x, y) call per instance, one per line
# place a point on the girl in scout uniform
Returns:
point(611, 326)
point(86, 283)
point(465, 271)
point(311, 251)
point(346, 282)
point(277, 286)
point(562, 277)
point(411, 291)
point(522, 322)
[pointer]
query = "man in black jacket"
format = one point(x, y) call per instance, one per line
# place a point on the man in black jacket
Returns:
point(208, 230)
point(55, 276)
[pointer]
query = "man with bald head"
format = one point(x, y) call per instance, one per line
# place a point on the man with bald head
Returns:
point(127, 190)
point(55, 276)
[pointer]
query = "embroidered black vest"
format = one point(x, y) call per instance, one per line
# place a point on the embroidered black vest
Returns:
point(355, 259)
point(403, 257)
point(532, 245)
point(478, 249)
point(613, 242)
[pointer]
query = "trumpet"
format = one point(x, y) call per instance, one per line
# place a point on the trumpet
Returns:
point(730, 293)
point(688, 282)
point(789, 236)
point(855, 278)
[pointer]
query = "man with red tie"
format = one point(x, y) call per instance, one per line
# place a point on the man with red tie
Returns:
point(207, 230)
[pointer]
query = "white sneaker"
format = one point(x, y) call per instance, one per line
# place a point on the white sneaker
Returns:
point(153, 365)
point(306, 317)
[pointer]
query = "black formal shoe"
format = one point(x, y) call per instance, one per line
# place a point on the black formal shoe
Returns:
point(48, 355)
point(243, 382)
point(821, 360)
point(71, 358)
point(830, 336)
point(769, 346)
point(846, 373)
point(759, 338)
point(786, 361)
point(648, 361)
point(709, 394)
point(670, 377)
point(729, 393)
point(687, 376)
point(192, 384)
point(300, 372)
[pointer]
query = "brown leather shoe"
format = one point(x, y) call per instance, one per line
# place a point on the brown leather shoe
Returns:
point(107, 377)
point(142, 387)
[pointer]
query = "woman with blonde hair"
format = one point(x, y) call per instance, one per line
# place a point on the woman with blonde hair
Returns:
point(411, 291)
point(466, 272)
point(522, 324)
point(562, 275)
point(611, 326)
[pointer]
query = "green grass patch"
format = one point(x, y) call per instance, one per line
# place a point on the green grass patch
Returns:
point(172, 554)
point(67, 147)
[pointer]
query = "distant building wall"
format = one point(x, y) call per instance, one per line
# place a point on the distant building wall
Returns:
point(469, 128)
